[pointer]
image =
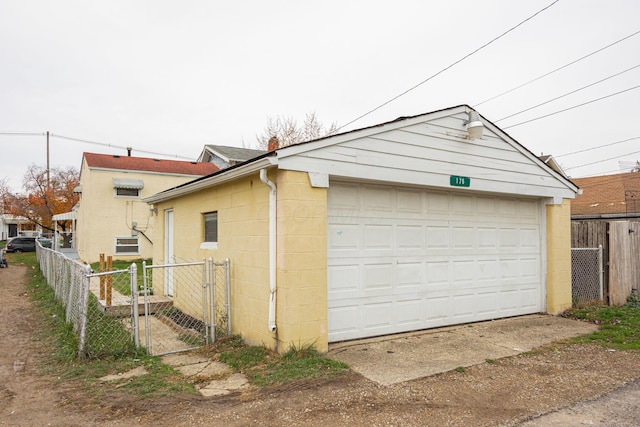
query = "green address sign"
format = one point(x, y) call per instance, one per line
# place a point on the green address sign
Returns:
point(459, 181)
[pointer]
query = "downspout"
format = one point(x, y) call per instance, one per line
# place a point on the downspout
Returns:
point(272, 248)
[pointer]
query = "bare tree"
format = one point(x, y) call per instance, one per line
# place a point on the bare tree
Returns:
point(289, 132)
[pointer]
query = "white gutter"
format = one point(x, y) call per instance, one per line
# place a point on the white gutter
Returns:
point(199, 184)
point(272, 248)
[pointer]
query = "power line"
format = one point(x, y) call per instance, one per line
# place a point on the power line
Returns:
point(557, 69)
point(599, 146)
point(23, 133)
point(603, 160)
point(446, 68)
point(117, 146)
point(571, 108)
point(567, 94)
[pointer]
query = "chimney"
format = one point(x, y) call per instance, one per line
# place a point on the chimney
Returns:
point(274, 144)
point(129, 151)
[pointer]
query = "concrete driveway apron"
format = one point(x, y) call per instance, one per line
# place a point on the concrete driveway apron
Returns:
point(393, 359)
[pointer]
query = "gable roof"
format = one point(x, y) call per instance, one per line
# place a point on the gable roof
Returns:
point(607, 196)
point(231, 154)
point(450, 124)
point(178, 167)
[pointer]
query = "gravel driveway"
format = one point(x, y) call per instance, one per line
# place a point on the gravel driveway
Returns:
point(503, 392)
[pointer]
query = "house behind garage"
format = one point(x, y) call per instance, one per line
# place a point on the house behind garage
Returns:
point(407, 225)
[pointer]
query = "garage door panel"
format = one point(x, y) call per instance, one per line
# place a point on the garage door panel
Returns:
point(378, 237)
point(414, 259)
point(378, 279)
point(411, 313)
point(343, 236)
point(437, 236)
point(410, 237)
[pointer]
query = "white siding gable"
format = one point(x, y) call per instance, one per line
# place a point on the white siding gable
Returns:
point(427, 150)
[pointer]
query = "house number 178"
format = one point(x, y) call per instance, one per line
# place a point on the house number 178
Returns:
point(459, 181)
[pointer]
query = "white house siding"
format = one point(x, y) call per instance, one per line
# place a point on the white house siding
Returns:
point(427, 151)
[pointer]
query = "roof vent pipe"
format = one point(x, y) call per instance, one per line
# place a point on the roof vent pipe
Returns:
point(272, 248)
point(129, 151)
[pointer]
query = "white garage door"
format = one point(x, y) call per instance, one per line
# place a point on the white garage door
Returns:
point(402, 259)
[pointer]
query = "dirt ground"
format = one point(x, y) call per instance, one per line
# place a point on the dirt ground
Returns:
point(506, 392)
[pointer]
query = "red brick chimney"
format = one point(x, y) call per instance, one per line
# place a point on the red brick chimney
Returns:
point(273, 144)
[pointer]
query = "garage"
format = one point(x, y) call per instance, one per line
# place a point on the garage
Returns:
point(402, 258)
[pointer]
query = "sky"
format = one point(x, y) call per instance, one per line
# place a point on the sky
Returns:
point(168, 77)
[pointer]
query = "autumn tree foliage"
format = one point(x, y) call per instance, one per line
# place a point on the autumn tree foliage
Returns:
point(43, 197)
point(289, 131)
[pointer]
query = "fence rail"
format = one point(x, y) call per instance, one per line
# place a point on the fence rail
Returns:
point(139, 314)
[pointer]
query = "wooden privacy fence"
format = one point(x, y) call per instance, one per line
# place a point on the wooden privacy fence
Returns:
point(624, 261)
point(620, 241)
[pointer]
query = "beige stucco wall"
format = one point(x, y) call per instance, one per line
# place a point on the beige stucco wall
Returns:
point(243, 237)
point(302, 262)
point(559, 257)
point(101, 216)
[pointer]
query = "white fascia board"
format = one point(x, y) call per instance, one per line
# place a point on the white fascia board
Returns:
point(225, 176)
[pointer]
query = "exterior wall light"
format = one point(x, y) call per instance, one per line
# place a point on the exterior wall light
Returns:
point(474, 125)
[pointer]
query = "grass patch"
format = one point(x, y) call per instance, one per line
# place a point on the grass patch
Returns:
point(123, 286)
point(60, 344)
point(619, 327)
point(460, 369)
point(265, 368)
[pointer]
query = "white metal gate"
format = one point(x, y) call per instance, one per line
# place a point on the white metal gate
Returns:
point(193, 315)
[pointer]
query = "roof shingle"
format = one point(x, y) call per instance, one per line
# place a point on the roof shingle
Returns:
point(110, 161)
point(607, 195)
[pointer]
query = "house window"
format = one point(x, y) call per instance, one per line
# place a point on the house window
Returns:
point(127, 192)
point(127, 187)
point(211, 227)
point(127, 245)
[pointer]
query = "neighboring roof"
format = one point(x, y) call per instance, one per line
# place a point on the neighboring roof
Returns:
point(110, 161)
point(67, 216)
point(607, 196)
point(231, 154)
point(272, 158)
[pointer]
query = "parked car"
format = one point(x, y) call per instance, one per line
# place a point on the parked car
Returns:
point(46, 243)
point(21, 244)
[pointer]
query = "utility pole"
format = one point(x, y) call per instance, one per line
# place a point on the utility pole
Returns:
point(48, 178)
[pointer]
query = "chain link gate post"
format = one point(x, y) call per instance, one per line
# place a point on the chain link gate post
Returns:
point(227, 280)
point(601, 272)
point(211, 333)
point(145, 281)
point(133, 274)
point(84, 307)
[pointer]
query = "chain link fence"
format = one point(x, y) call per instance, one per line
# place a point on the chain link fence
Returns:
point(587, 275)
point(98, 305)
point(162, 308)
point(188, 314)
